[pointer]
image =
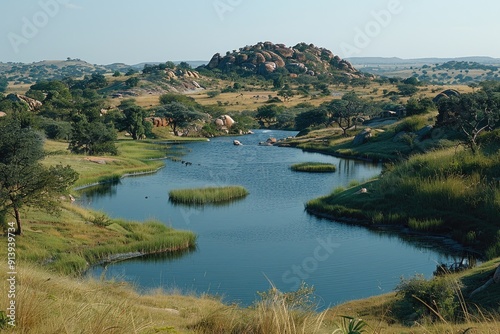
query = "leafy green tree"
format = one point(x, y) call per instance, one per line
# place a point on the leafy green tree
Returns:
point(418, 106)
point(314, 117)
point(345, 111)
point(184, 66)
point(92, 137)
point(471, 114)
point(179, 115)
point(24, 181)
point(97, 81)
point(286, 120)
point(278, 82)
point(180, 98)
point(267, 114)
point(117, 74)
point(4, 83)
point(132, 82)
point(130, 72)
point(407, 90)
point(170, 65)
point(134, 121)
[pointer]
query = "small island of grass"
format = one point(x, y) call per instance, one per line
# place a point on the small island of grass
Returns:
point(208, 195)
point(314, 167)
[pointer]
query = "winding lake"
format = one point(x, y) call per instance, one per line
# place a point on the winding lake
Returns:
point(266, 237)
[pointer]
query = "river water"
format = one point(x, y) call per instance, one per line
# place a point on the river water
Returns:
point(266, 237)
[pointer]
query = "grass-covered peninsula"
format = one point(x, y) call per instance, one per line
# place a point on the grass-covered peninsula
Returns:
point(449, 191)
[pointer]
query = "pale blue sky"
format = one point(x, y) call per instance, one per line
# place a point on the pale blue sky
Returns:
point(108, 31)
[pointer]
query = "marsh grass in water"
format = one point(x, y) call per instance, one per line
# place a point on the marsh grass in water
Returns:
point(314, 167)
point(208, 195)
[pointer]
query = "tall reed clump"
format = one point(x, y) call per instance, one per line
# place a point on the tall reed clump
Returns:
point(276, 313)
point(314, 167)
point(200, 196)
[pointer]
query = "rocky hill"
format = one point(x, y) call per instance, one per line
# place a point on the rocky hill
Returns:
point(267, 58)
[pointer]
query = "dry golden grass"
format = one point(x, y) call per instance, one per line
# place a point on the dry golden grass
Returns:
point(51, 303)
point(147, 100)
point(17, 88)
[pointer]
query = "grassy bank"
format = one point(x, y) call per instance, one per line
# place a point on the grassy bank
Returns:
point(200, 196)
point(49, 302)
point(77, 238)
point(314, 167)
point(447, 192)
point(380, 146)
point(133, 157)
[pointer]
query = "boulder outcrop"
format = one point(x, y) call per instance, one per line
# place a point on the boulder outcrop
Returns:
point(224, 122)
point(33, 105)
point(362, 137)
point(265, 58)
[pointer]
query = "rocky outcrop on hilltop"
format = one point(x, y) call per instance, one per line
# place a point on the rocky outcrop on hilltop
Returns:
point(266, 58)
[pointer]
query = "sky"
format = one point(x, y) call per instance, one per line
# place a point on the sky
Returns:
point(132, 31)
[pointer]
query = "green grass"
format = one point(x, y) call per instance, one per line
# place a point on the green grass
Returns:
point(133, 157)
point(200, 196)
point(78, 238)
point(314, 167)
point(445, 191)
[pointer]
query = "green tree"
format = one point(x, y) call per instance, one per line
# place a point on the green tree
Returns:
point(471, 114)
point(92, 137)
point(184, 66)
point(345, 111)
point(180, 98)
point(267, 114)
point(117, 74)
point(417, 106)
point(407, 89)
point(4, 83)
point(179, 115)
point(314, 117)
point(132, 82)
point(24, 181)
point(134, 121)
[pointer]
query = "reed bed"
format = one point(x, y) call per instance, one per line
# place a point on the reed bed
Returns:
point(314, 167)
point(208, 195)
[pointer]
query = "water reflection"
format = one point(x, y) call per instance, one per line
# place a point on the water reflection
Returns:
point(268, 233)
point(107, 189)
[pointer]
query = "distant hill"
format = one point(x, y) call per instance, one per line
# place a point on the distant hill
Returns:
point(21, 73)
point(266, 58)
point(400, 61)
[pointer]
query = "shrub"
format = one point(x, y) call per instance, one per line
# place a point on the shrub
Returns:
point(435, 299)
point(410, 124)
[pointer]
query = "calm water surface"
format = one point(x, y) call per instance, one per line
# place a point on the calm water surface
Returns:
point(265, 237)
